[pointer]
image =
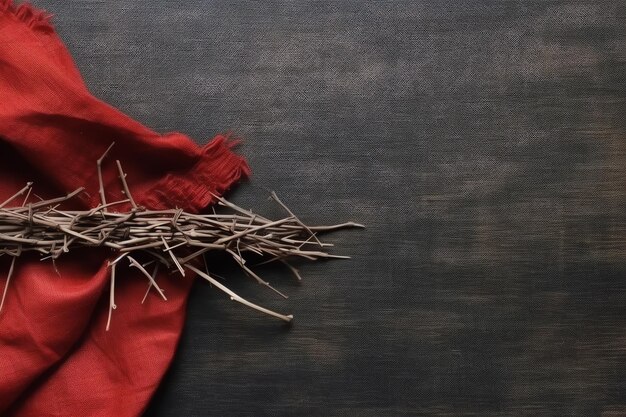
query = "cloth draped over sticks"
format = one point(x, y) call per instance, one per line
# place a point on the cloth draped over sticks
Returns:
point(56, 358)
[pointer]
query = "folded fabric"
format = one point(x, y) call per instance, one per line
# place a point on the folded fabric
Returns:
point(56, 357)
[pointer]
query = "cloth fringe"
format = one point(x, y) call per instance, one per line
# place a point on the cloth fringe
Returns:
point(28, 14)
point(217, 169)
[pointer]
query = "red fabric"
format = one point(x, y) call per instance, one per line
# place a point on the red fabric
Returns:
point(56, 358)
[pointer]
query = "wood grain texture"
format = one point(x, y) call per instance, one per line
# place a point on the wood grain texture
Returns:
point(483, 143)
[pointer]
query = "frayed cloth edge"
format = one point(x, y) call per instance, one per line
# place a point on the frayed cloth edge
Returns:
point(28, 14)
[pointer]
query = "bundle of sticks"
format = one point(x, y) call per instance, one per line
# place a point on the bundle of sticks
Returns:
point(171, 239)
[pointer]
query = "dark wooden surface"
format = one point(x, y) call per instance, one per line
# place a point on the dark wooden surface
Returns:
point(482, 142)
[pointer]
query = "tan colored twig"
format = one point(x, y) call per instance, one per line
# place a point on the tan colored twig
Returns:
point(173, 239)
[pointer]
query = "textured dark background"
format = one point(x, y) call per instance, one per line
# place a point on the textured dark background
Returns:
point(482, 142)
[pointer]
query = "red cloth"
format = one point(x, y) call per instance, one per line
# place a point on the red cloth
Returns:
point(56, 358)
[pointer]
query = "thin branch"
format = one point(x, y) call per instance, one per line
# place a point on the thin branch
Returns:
point(125, 184)
point(16, 195)
point(235, 297)
point(6, 286)
point(154, 274)
point(112, 305)
point(103, 198)
point(275, 197)
point(137, 265)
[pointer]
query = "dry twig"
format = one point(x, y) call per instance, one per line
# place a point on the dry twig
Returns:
point(172, 238)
